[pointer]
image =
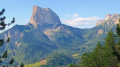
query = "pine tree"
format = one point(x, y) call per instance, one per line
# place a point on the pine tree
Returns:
point(102, 56)
point(72, 65)
point(110, 39)
point(2, 41)
point(116, 52)
point(118, 28)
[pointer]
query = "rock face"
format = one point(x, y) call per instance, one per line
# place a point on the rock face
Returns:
point(112, 16)
point(109, 19)
point(100, 32)
point(100, 22)
point(44, 17)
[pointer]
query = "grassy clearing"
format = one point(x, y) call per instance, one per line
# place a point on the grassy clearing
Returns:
point(38, 64)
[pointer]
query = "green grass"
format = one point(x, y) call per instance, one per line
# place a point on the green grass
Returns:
point(34, 65)
point(38, 64)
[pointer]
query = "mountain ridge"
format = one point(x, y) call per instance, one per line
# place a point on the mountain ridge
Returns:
point(44, 16)
point(109, 19)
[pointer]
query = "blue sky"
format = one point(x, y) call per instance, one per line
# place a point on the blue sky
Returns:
point(76, 13)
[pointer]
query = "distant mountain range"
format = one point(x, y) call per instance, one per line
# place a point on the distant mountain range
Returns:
point(45, 35)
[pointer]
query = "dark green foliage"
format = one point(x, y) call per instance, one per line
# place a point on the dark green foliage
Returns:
point(2, 12)
point(22, 65)
point(3, 65)
point(2, 41)
point(110, 39)
point(13, 20)
point(103, 56)
point(58, 60)
point(0, 60)
point(11, 61)
point(116, 52)
point(100, 57)
point(5, 55)
point(8, 40)
point(118, 29)
point(2, 20)
point(72, 65)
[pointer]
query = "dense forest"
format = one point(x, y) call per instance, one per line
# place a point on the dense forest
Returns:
point(104, 55)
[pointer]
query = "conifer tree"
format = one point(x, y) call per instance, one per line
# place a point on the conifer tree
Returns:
point(110, 39)
point(102, 56)
point(118, 28)
point(2, 41)
point(116, 52)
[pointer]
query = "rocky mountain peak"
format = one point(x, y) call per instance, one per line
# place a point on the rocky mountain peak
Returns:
point(112, 16)
point(44, 16)
point(109, 19)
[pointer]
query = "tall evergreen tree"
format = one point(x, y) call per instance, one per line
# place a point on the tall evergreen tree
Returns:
point(102, 56)
point(118, 28)
point(117, 52)
point(2, 41)
point(110, 39)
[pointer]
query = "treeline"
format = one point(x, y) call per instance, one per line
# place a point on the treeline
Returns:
point(103, 56)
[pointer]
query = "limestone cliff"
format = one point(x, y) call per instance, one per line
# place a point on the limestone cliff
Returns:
point(109, 19)
point(44, 16)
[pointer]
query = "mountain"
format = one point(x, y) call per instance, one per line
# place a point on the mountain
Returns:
point(110, 19)
point(102, 27)
point(44, 17)
point(44, 35)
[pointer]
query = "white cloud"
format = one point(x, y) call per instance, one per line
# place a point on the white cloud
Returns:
point(81, 22)
point(73, 15)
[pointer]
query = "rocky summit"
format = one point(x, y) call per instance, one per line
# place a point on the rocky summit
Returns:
point(109, 19)
point(44, 17)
